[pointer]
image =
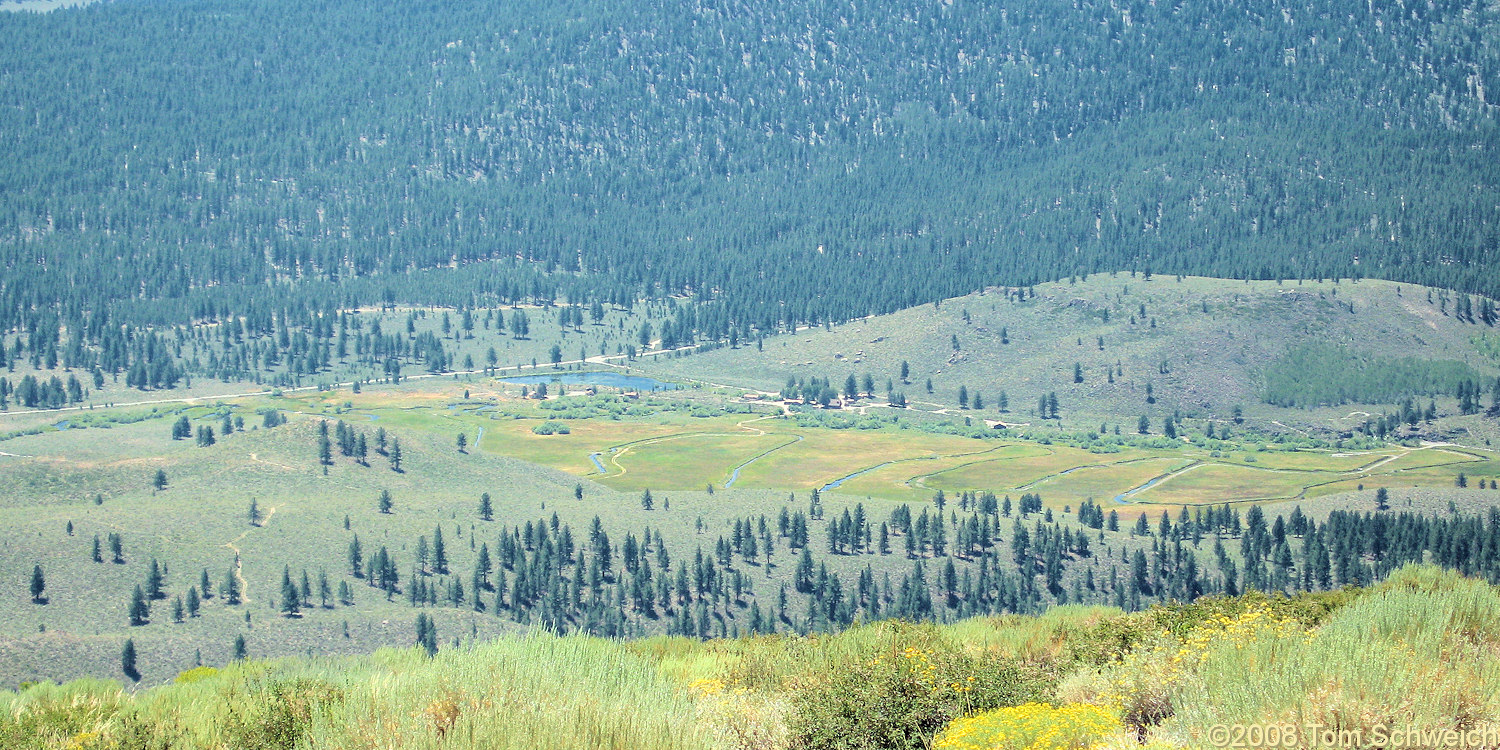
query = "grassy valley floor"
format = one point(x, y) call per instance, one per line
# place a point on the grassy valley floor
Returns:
point(711, 458)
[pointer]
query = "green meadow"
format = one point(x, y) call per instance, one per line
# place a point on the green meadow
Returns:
point(673, 450)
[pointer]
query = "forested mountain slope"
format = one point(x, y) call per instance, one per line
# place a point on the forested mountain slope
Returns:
point(795, 161)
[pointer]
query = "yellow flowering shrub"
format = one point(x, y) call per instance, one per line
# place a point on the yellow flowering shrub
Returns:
point(707, 687)
point(84, 741)
point(1033, 726)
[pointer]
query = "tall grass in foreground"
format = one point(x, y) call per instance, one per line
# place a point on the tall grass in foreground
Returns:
point(1419, 651)
point(536, 692)
point(540, 692)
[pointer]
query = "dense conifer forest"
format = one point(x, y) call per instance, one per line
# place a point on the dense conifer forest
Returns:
point(785, 163)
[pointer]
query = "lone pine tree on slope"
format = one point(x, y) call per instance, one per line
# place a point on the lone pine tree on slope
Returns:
point(38, 585)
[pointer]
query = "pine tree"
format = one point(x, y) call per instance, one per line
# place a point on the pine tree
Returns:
point(427, 634)
point(127, 661)
point(439, 552)
point(486, 511)
point(231, 588)
point(154, 580)
point(140, 611)
point(239, 651)
point(325, 591)
point(38, 585)
point(385, 503)
point(325, 448)
point(356, 558)
point(291, 599)
point(395, 456)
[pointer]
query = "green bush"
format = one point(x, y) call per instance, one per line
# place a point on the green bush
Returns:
point(280, 714)
point(1108, 640)
point(550, 427)
point(902, 696)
